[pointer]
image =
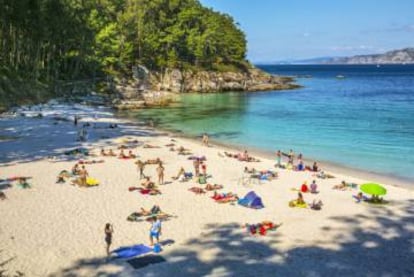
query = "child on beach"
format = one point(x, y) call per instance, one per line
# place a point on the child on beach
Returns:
point(108, 236)
point(155, 230)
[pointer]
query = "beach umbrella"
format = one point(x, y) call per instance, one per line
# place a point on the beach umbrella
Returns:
point(373, 189)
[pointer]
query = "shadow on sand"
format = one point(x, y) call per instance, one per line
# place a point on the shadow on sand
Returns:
point(387, 250)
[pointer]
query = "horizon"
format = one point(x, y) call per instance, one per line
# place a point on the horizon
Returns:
point(338, 29)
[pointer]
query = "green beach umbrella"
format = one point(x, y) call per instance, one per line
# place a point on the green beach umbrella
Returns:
point(373, 189)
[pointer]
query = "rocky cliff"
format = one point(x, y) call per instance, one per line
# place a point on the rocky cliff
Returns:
point(158, 88)
point(402, 56)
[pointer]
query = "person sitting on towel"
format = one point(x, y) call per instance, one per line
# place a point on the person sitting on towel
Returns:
point(131, 155)
point(148, 184)
point(122, 154)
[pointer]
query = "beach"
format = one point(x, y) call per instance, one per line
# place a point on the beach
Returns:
point(58, 229)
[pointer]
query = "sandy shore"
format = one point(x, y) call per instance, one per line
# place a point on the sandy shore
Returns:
point(57, 229)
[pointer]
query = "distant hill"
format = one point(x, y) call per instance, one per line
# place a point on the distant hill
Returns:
point(405, 56)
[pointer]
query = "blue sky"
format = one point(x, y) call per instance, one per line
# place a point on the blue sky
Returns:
point(298, 29)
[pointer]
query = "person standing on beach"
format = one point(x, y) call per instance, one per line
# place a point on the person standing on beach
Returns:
point(278, 158)
point(140, 166)
point(155, 230)
point(196, 165)
point(75, 121)
point(205, 139)
point(83, 175)
point(291, 156)
point(160, 172)
point(109, 230)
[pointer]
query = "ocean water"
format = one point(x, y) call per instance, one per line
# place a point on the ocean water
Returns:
point(364, 120)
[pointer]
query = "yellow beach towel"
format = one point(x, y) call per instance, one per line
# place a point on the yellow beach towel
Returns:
point(92, 182)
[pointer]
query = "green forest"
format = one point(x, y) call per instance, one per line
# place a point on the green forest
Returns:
point(43, 41)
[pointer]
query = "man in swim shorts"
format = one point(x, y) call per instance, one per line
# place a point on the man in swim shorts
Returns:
point(155, 230)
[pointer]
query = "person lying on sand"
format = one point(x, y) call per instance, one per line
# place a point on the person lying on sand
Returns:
point(210, 187)
point(183, 151)
point(170, 145)
point(154, 210)
point(341, 186)
point(150, 146)
point(249, 170)
point(197, 190)
point(225, 197)
point(153, 161)
point(148, 184)
point(261, 228)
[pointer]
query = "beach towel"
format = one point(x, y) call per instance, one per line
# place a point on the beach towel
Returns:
point(251, 200)
point(146, 260)
point(131, 251)
point(92, 182)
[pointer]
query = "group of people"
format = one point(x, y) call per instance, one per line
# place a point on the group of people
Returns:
point(300, 166)
point(82, 174)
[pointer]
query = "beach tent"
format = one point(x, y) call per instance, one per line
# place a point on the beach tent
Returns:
point(251, 200)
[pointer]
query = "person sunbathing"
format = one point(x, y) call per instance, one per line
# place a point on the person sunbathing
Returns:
point(150, 146)
point(262, 227)
point(111, 153)
point(315, 167)
point(122, 155)
point(360, 197)
point(170, 145)
point(225, 197)
point(154, 161)
point(131, 155)
point(148, 184)
point(341, 186)
point(197, 190)
point(249, 170)
point(103, 153)
point(154, 210)
point(210, 187)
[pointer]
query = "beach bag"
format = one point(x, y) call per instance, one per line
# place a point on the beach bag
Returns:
point(202, 180)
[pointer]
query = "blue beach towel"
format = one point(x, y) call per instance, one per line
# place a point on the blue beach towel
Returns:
point(131, 251)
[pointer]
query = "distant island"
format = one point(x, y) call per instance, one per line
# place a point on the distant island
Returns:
point(401, 56)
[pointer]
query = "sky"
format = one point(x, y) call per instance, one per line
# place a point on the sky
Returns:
point(280, 30)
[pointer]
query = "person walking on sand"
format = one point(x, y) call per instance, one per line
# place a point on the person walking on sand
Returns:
point(155, 230)
point(140, 167)
point(160, 172)
point(83, 175)
point(109, 230)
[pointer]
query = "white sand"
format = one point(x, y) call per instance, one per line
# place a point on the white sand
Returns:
point(57, 229)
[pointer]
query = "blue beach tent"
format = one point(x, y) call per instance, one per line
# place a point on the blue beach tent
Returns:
point(251, 200)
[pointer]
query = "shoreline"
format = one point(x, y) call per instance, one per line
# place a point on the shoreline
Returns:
point(328, 166)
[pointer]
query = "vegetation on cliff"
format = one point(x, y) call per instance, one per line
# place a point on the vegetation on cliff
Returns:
point(51, 40)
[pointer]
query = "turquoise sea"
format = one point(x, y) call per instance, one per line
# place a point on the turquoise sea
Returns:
point(364, 120)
